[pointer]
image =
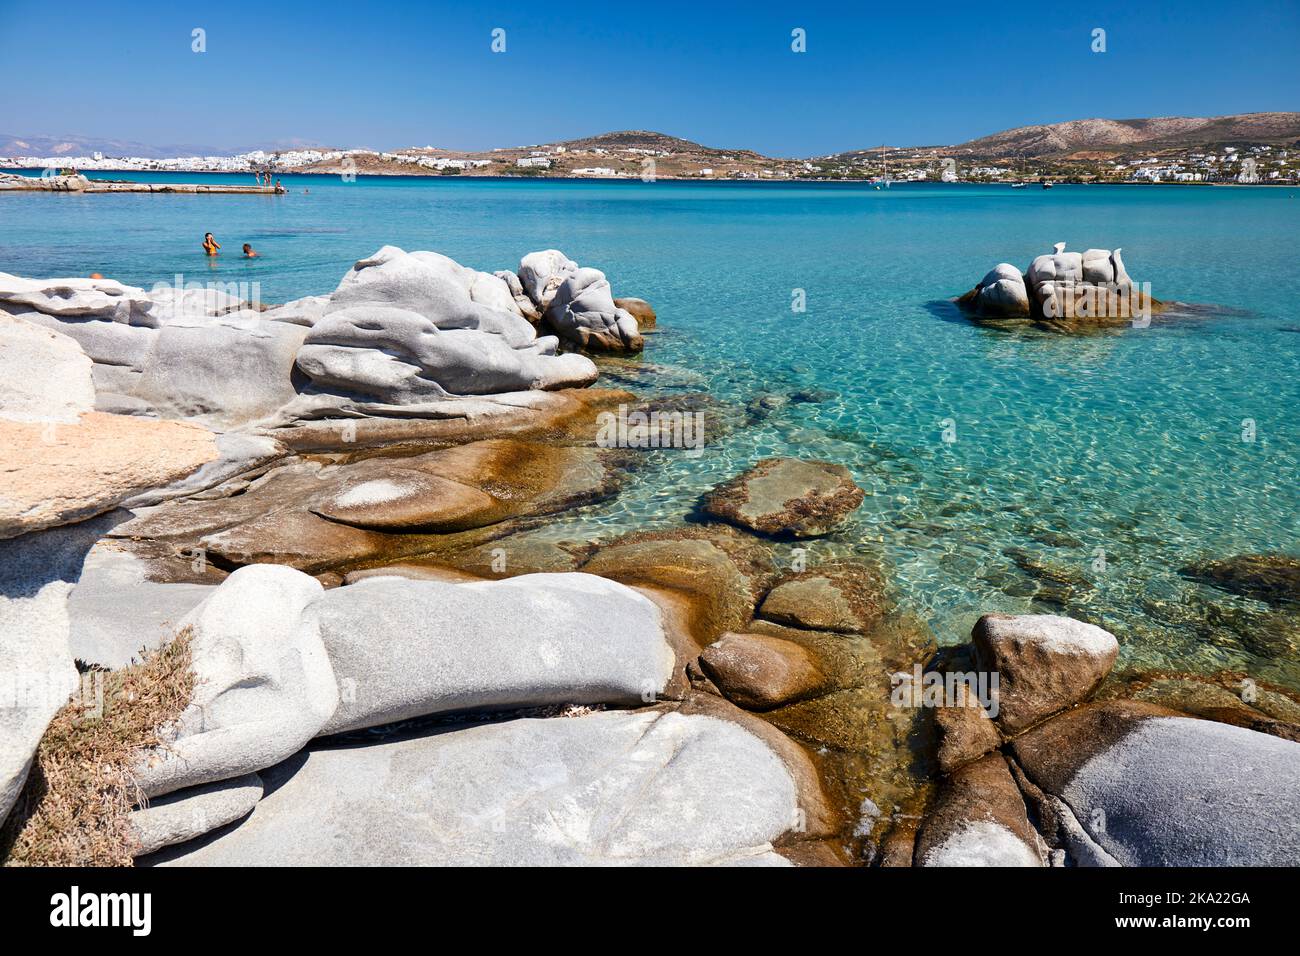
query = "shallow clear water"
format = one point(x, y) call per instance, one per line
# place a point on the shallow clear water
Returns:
point(1126, 446)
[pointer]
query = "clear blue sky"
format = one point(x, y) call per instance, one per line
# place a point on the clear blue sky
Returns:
point(398, 74)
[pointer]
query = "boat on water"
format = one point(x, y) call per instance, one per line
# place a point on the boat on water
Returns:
point(1019, 185)
point(1045, 184)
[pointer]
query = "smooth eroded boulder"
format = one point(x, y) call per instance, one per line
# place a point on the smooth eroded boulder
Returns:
point(44, 376)
point(1044, 663)
point(404, 648)
point(759, 672)
point(186, 814)
point(583, 314)
point(224, 371)
point(1152, 788)
point(979, 819)
point(263, 682)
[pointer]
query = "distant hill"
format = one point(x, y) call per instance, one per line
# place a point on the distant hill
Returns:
point(1128, 135)
point(648, 139)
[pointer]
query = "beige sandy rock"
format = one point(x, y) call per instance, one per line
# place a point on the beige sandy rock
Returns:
point(54, 474)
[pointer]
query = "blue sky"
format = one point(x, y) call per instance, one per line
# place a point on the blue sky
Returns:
point(388, 75)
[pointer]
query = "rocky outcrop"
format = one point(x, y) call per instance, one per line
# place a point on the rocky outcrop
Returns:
point(1151, 788)
point(1044, 663)
point(403, 327)
point(533, 640)
point(401, 335)
point(787, 497)
point(1063, 289)
point(263, 682)
point(604, 788)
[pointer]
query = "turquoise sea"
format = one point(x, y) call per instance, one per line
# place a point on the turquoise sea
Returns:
point(1086, 470)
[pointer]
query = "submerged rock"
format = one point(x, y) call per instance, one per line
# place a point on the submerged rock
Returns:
point(1271, 578)
point(787, 496)
point(719, 573)
point(601, 789)
point(837, 597)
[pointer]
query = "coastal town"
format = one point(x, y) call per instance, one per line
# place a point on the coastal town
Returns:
point(1267, 159)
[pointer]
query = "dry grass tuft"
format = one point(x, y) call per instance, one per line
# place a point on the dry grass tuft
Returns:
point(75, 807)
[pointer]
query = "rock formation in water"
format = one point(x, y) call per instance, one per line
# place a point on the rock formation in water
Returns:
point(1063, 288)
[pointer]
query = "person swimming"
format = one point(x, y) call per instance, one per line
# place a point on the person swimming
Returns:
point(250, 252)
point(210, 245)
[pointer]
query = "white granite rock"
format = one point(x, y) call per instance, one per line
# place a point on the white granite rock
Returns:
point(524, 641)
point(186, 814)
point(582, 312)
point(223, 371)
point(114, 611)
point(37, 675)
point(44, 376)
point(612, 788)
point(263, 685)
point(540, 275)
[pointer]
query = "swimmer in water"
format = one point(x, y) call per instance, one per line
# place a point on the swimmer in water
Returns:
point(210, 245)
point(250, 252)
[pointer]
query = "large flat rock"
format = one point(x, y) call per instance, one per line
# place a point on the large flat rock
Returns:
point(53, 474)
point(606, 788)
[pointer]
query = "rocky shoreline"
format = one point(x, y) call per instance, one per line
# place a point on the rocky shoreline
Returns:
point(331, 507)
